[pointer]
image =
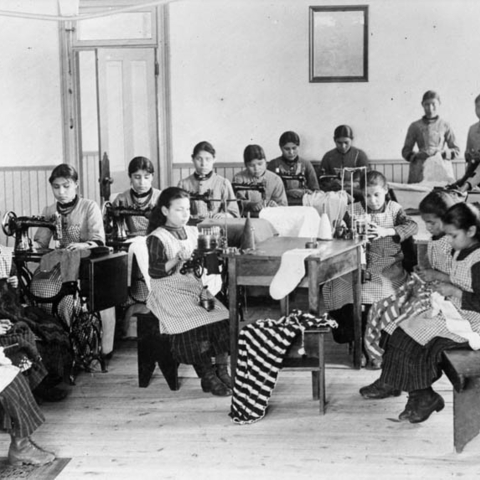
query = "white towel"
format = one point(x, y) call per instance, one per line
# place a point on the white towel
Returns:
point(293, 221)
point(290, 273)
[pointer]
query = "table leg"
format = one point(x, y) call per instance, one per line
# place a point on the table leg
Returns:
point(233, 308)
point(357, 311)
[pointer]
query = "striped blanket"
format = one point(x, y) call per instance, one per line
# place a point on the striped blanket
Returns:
point(261, 349)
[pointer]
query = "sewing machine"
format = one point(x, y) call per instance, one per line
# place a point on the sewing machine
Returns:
point(114, 219)
point(250, 187)
point(290, 176)
point(19, 226)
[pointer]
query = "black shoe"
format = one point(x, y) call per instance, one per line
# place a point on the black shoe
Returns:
point(425, 405)
point(410, 407)
point(224, 376)
point(378, 390)
point(54, 394)
point(211, 383)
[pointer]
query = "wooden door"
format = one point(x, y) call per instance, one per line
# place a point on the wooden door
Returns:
point(127, 110)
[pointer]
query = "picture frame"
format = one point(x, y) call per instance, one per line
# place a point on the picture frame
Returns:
point(338, 43)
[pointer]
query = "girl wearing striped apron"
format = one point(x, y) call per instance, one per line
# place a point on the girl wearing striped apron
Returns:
point(413, 352)
point(197, 335)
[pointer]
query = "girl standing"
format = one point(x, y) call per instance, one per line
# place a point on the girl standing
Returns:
point(388, 227)
point(432, 135)
point(197, 335)
point(413, 352)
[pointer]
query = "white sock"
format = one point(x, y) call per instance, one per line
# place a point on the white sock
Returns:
point(290, 273)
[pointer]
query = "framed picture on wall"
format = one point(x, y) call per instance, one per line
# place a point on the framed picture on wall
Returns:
point(339, 43)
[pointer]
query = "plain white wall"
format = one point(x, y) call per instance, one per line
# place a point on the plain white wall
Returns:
point(239, 75)
point(30, 97)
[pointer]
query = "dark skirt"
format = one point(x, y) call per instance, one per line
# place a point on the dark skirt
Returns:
point(19, 414)
point(199, 345)
point(409, 366)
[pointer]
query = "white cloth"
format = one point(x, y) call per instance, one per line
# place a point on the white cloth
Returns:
point(138, 248)
point(436, 169)
point(7, 373)
point(455, 322)
point(290, 273)
point(293, 221)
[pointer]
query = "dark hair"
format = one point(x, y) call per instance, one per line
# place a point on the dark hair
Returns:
point(463, 216)
point(253, 152)
point(140, 163)
point(343, 131)
point(477, 99)
point(430, 95)
point(203, 146)
point(63, 171)
point(289, 137)
point(157, 218)
point(437, 203)
point(373, 178)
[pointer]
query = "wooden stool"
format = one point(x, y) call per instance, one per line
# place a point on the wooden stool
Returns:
point(154, 347)
point(313, 360)
point(462, 368)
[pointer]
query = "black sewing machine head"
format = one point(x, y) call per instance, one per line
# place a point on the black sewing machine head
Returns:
point(252, 187)
point(114, 219)
point(18, 227)
point(286, 176)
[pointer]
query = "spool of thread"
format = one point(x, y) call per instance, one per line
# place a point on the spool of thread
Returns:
point(311, 244)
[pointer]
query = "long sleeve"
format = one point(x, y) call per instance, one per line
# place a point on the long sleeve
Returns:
point(157, 258)
point(471, 300)
point(95, 229)
point(405, 226)
point(312, 181)
point(452, 150)
point(43, 236)
point(409, 144)
point(278, 194)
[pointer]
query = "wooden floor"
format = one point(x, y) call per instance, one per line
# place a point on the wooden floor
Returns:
point(114, 430)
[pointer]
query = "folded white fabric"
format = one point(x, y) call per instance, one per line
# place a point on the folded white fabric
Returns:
point(138, 247)
point(455, 322)
point(290, 273)
point(293, 221)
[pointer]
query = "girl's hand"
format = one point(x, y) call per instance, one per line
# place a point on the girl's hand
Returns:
point(447, 289)
point(78, 246)
point(296, 192)
point(272, 203)
point(421, 156)
point(426, 274)
point(13, 281)
point(376, 231)
point(182, 255)
point(5, 326)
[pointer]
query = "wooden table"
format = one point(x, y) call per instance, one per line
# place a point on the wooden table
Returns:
point(332, 260)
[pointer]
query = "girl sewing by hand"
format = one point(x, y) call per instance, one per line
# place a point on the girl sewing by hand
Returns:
point(141, 195)
point(81, 227)
point(196, 334)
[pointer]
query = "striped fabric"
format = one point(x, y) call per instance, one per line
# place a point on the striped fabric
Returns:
point(261, 349)
point(21, 415)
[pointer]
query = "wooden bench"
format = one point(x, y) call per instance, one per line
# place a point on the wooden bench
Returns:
point(462, 368)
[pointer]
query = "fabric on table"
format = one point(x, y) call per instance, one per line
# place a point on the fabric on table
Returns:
point(290, 273)
point(293, 221)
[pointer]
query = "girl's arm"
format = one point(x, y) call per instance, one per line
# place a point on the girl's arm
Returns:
point(278, 193)
point(410, 141)
point(452, 150)
point(405, 227)
point(311, 176)
point(159, 266)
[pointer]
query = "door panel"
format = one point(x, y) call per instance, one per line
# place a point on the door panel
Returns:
point(127, 109)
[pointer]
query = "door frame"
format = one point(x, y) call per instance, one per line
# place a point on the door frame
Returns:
point(70, 95)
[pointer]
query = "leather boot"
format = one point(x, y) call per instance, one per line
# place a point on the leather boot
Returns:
point(23, 451)
point(428, 401)
point(410, 406)
point(378, 390)
point(211, 383)
point(224, 376)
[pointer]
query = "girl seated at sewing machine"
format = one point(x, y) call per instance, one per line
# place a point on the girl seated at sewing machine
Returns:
point(344, 155)
point(211, 196)
point(141, 195)
point(270, 190)
point(297, 174)
point(81, 228)
point(196, 321)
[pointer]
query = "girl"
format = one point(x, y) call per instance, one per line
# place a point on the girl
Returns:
point(81, 229)
point(204, 180)
point(196, 334)
point(256, 173)
point(386, 314)
point(432, 135)
point(388, 227)
point(345, 155)
point(291, 164)
point(413, 352)
point(141, 194)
